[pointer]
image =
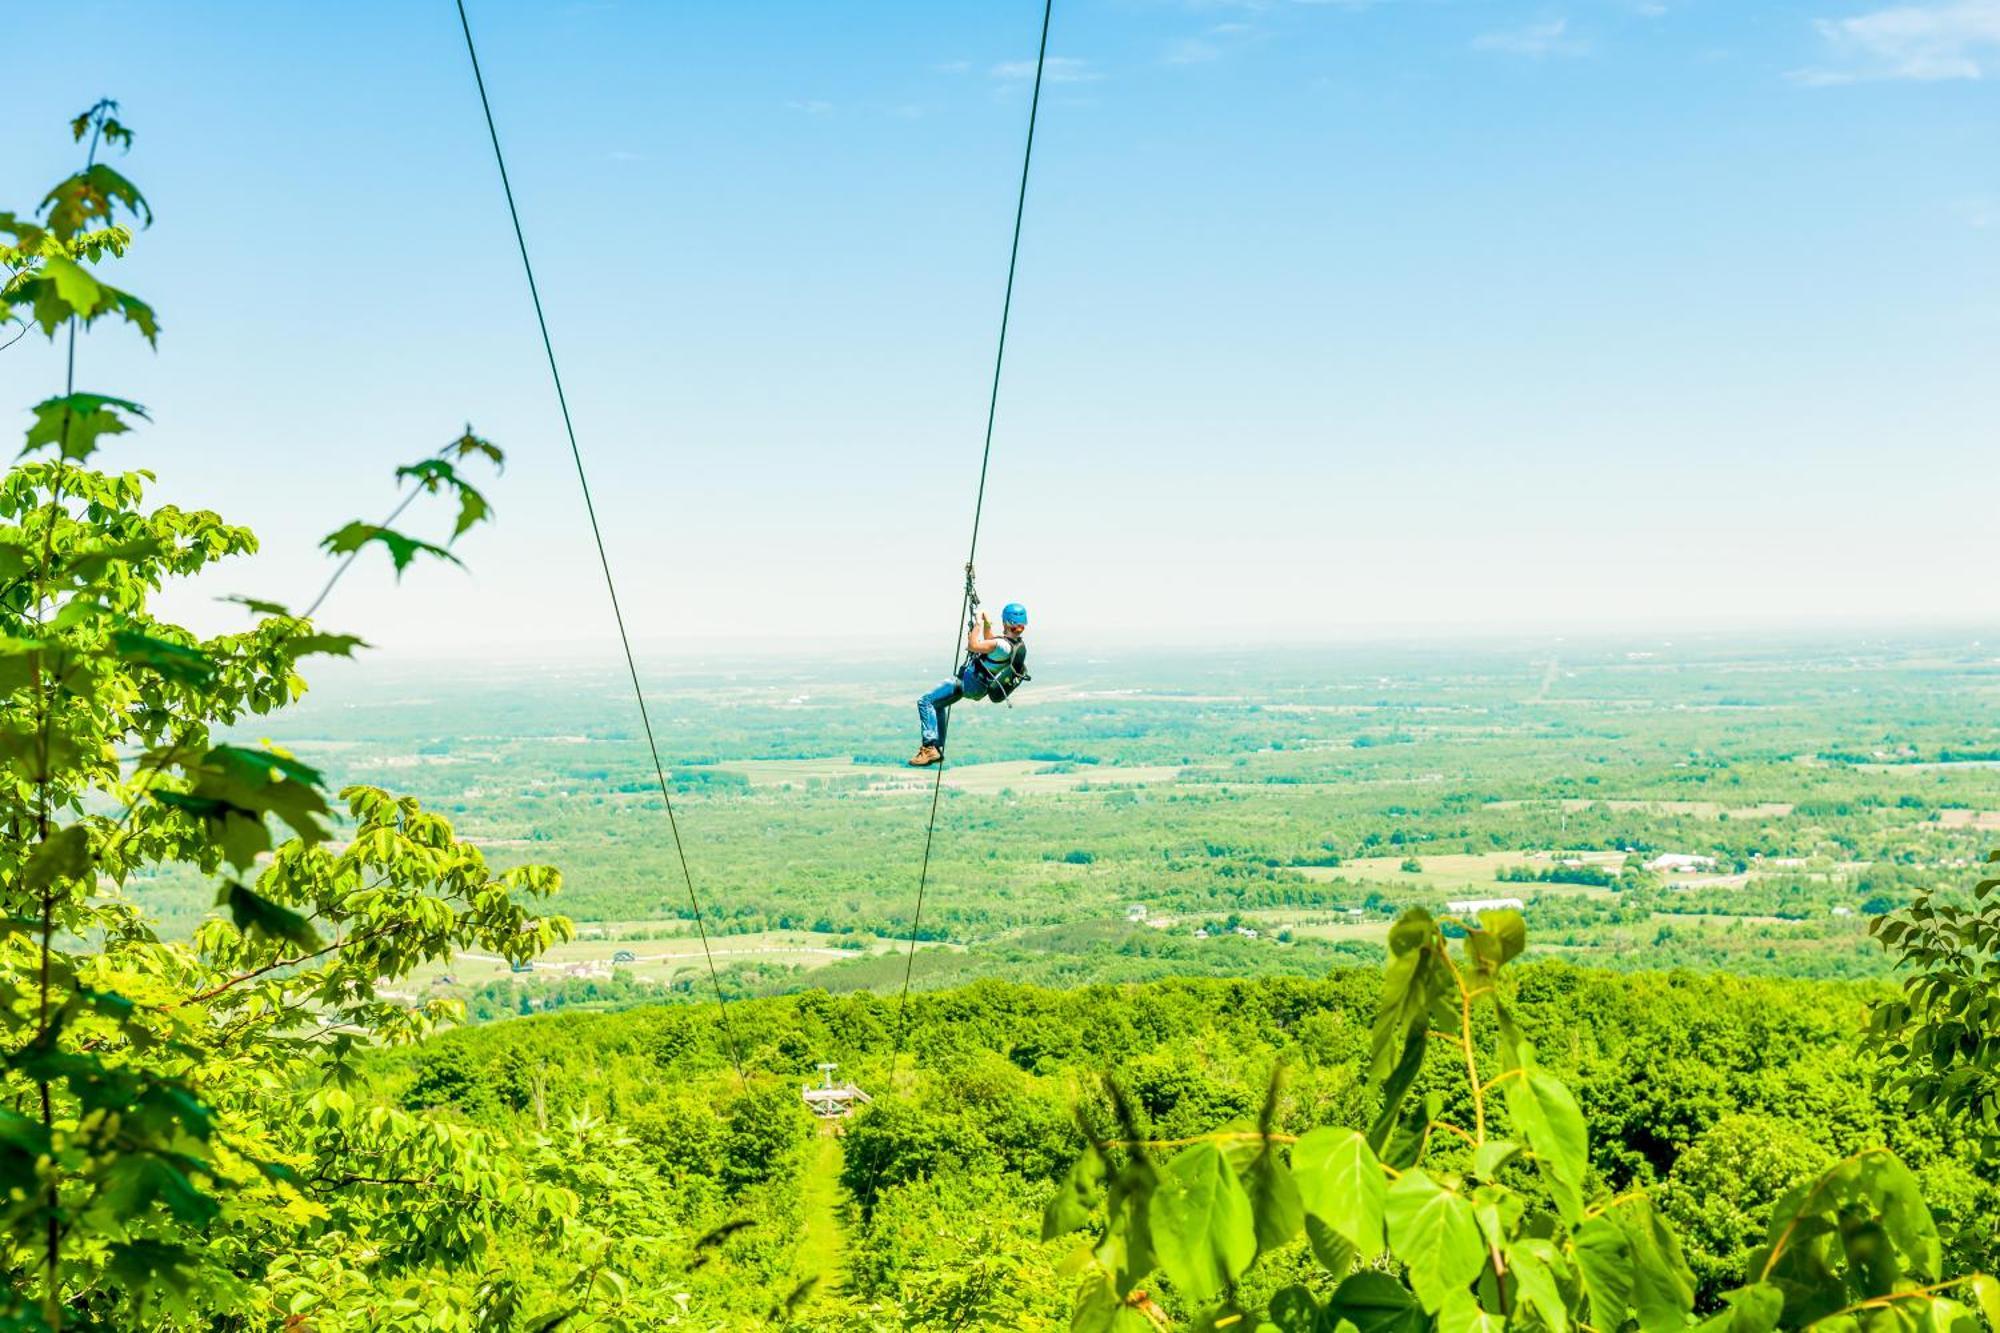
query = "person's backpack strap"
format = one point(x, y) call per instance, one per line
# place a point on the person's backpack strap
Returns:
point(1006, 677)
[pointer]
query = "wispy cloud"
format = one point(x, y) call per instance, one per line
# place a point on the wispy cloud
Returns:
point(953, 66)
point(1214, 43)
point(1957, 40)
point(1192, 51)
point(1535, 41)
point(625, 155)
point(1060, 69)
point(810, 106)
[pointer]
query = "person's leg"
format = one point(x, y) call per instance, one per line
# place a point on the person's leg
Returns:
point(965, 687)
point(932, 715)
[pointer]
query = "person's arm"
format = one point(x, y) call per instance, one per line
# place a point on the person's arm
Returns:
point(979, 637)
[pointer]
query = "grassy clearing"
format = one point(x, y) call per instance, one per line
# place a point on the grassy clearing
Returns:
point(822, 1253)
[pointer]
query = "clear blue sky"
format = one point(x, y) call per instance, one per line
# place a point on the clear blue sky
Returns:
point(1331, 316)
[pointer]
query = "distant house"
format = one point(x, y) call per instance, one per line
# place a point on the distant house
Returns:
point(1680, 863)
point(1474, 906)
point(624, 956)
point(1136, 912)
point(1201, 932)
point(1246, 932)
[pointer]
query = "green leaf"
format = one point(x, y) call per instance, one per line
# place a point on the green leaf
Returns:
point(1491, 1155)
point(331, 645)
point(20, 662)
point(63, 855)
point(255, 914)
point(402, 549)
point(1077, 1198)
point(1509, 929)
point(1662, 1286)
point(469, 444)
point(1100, 1309)
point(1409, 987)
point(1126, 1249)
point(434, 474)
point(233, 789)
point(1341, 1183)
point(1397, 1086)
point(1860, 1228)
point(1551, 1121)
point(63, 290)
point(1434, 1231)
point(258, 606)
point(1531, 1262)
point(1376, 1303)
point(1275, 1205)
point(1752, 1309)
point(1987, 1292)
point(1604, 1262)
point(1203, 1233)
point(171, 661)
point(1293, 1310)
point(93, 195)
point(74, 423)
point(1336, 1254)
point(145, 1265)
point(1462, 1314)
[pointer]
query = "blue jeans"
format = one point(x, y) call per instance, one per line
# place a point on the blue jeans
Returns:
point(933, 709)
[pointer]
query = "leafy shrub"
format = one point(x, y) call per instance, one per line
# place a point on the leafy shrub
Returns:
point(1426, 1221)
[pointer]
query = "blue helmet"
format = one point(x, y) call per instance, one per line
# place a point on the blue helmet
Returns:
point(1014, 614)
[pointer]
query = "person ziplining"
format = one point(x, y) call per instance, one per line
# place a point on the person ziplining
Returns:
point(995, 666)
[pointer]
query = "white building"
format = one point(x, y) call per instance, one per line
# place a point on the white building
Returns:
point(1474, 906)
point(1680, 863)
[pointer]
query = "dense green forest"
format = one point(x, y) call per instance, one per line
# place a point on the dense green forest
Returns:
point(1415, 997)
point(1718, 1093)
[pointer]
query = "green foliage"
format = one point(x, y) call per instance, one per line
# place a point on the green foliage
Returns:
point(180, 1142)
point(1941, 1037)
point(1493, 1224)
point(1722, 1189)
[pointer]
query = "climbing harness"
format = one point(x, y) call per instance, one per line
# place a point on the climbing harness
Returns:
point(603, 560)
point(1003, 678)
point(970, 601)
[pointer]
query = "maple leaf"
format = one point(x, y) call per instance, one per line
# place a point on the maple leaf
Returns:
point(403, 549)
point(74, 422)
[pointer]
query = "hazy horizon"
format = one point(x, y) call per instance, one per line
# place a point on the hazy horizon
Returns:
point(922, 659)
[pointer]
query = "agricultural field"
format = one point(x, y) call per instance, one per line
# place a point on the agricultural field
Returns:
point(1743, 806)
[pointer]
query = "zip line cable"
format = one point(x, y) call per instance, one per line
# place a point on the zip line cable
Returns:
point(603, 560)
point(971, 597)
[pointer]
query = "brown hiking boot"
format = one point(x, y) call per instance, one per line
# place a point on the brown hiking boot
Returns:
point(928, 755)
